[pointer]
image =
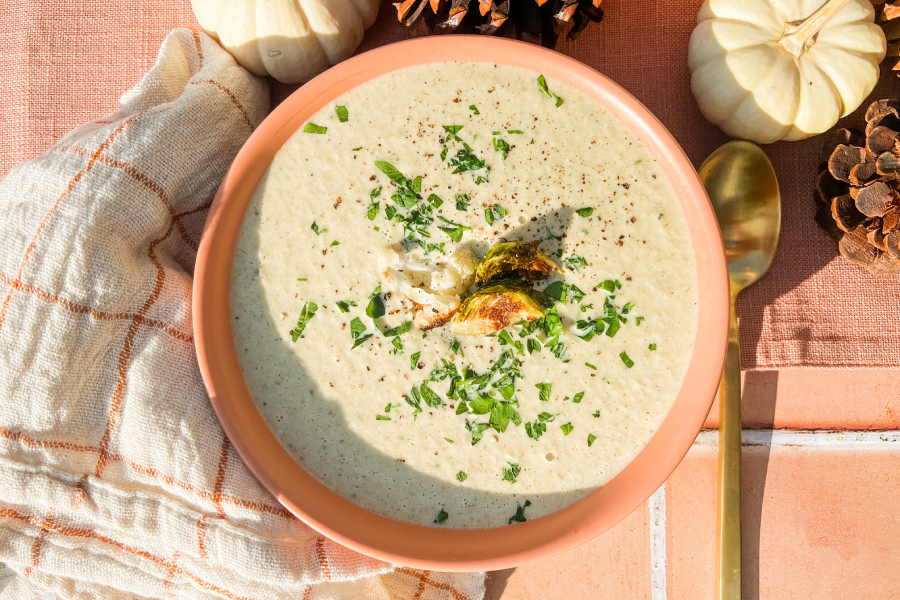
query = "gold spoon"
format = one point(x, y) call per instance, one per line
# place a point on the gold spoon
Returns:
point(742, 186)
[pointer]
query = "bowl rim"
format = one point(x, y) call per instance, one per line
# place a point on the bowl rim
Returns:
point(414, 545)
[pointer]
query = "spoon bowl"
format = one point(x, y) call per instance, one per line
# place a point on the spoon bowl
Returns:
point(743, 189)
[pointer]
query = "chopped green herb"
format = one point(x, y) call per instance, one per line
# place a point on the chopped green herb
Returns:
point(452, 131)
point(357, 327)
point(434, 200)
point(358, 149)
point(390, 405)
point(317, 230)
point(301, 279)
point(591, 439)
point(391, 171)
point(578, 397)
point(372, 210)
point(557, 290)
point(590, 365)
point(538, 428)
point(442, 516)
point(382, 418)
point(545, 388)
point(627, 308)
point(505, 338)
point(335, 243)
point(345, 305)
point(476, 429)
point(511, 473)
point(454, 230)
point(313, 128)
point(456, 347)
point(610, 285)
point(342, 113)
point(398, 330)
point(501, 146)
point(575, 263)
point(596, 414)
point(542, 85)
point(449, 441)
point(519, 517)
point(462, 201)
point(308, 312)
point(638, 161)
point(514, 131)
point(461, 476)
point(466, 160)
point(531, 142)
point(398, 346)
point(653, 346)
point(585, 212)
point(567, 428)
point(493, 213)
point(628, 362)
point(638, 320)
point(533, 345)
point(552, 323)
point(558, 349)
point(576, 293)
point(375, 309)
point(414, 360)
point(474, 109)
point(444, 153)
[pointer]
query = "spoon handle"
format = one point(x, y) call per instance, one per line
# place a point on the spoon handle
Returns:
point(728, 518)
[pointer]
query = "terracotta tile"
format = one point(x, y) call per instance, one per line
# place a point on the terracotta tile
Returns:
point(614, 566)
point(819, 399)
point(819, 522)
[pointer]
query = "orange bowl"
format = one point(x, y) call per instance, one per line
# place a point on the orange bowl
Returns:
point(415, 545)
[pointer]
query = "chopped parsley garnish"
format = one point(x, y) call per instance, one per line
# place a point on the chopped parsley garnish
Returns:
point(567, 428)
point(542, 85)
point(519, 517)
point(552, 323)
point(474, 109)
point(466, 160)
point(308, 312)
point(501, 146)
point(454, 230)
point(493, 213)
point(638, 161)
point(638, 320)
point(414, 360)
point(514, 131)
point(576, 293)
point(375, 309)
point(462, 201)
point(452, 131)
point(505, 338)
point(590, 366)
point(317, 230)
point(610, 285)
point(477, 430)
point(544, 388)
point(456, 347)
point(398, 330)
point(591, 438)
point(574, 263)
point(357, 328)
point(423, 392)
point(534, 345)
point(461, 476)
point(585, 212)
point(538, 428)
point(449, 441)
point(558, 349)
point(444, 151)
point(357, 149)
point(313, 128)
point(382, 418)
point(434, 200)
point(334, 243)
point(511, 473)
point(391, 171)
point(653, 346)
point(342, 113)
point(442, 516)
point(578, 397)
point(557, 290)
point(625, 359)
point(345, 305)
point(596, 414)
point(375, 205)
point(301, 279)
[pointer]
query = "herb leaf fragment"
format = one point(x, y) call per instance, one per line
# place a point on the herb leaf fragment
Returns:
point(317, 229)
point(442, 516)
point(342, 113)
point(511, 473)
point(567, 428)
point(462, 476)
point(308, 312)
point(493, 213)
point(585, 212)
point(625, 359)
point(519, 517)
point(542, 85)
point(591, 439)
point(545, 388)
point(313, 128)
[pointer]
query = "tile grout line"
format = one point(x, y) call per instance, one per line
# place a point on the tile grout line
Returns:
point(656, 505)
point(787, 437)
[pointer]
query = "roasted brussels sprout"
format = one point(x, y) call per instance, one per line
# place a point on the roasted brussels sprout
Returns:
point(514, 260)
point(494, 307)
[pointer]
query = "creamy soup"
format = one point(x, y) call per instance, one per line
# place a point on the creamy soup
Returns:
point(360, 243)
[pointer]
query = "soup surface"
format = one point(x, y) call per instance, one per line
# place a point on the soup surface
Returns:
point(366, 230)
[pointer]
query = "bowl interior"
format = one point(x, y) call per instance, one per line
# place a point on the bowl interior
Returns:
point(414, 545)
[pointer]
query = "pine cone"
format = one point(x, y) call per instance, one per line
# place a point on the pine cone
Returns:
point(537, 21)
point(858, 190)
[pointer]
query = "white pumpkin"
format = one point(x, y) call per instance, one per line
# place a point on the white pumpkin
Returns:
point(768, 70)
point(291, 40)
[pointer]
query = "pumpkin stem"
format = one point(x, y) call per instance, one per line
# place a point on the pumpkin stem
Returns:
point(799, 36)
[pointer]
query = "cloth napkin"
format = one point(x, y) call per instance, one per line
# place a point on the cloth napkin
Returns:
point(117, 481)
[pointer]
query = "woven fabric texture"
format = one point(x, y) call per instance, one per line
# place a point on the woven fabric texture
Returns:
point(65, 63)
point(117, 481)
